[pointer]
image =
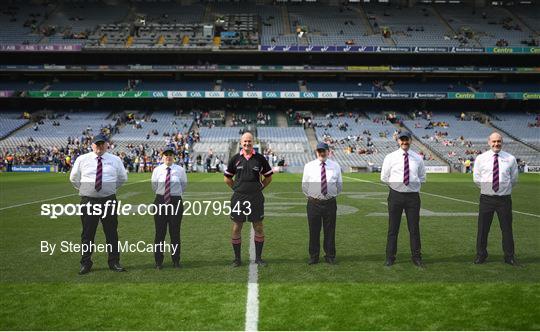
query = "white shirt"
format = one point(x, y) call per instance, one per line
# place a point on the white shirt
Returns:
point(178, 179)
point(83, 174)
point(311, 180)
point(483, 173)
point(393, 170)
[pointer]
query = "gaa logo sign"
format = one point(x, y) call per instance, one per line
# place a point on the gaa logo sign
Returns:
point(195, 94)
point(214, 94)
point(270, 95)
point(158, 94)
point(327, 94)
point(233, 94)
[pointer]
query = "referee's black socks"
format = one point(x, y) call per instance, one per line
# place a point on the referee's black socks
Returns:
point(259, 242)
point(237, 245)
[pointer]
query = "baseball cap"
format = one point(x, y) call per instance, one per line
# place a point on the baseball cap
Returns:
point(169, 149)
point(100, 138)
point(322, 146)
point(404, 134)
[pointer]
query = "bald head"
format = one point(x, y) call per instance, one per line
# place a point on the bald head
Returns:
point(246, 141)
point(495, 141)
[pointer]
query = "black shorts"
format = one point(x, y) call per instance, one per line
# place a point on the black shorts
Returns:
point(247, 207)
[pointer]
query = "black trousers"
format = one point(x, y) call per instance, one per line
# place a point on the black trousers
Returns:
point(172, 219)
point(89, 227)
point(322, 214)
point(488, 206)
point(397, 203)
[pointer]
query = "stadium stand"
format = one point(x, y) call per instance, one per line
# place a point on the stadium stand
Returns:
point(360, 141)
point(524, 127)
point(287, 144)
point(155, 130)
point(142, 24)
point(219, 134)
point(456, 140)
point(54, 131)
point(9, 122)
point(405, 28)
point(488, 26)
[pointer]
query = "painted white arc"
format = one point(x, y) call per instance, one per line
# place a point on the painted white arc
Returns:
point(252, 302)
point(58, 197)
point(441, 196)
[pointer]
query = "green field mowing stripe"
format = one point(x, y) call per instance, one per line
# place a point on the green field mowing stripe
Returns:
point(42, 291)
point(418, 306)
point(122, 306)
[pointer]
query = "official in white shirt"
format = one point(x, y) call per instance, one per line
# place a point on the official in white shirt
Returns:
point(495, 173)
point(97, 175)
point(403, 171)
point(169, 182)
point(321, 183)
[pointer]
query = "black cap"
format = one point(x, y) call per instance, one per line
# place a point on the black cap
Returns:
point(322, 146)
point(405, 134)
point(169, 149)
point(100, 138)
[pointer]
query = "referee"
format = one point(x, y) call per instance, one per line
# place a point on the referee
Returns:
point(247, 173)
point(169, 182)
point(403, 170)
point(97, 175)
point(495, 173)
point(321, 183)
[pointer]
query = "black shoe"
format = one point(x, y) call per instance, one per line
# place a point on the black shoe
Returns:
point(330, 260)
point(511, 261)
point(176, 265)
point(236, 263)
point(159, 266)
point(313, 261)
point(418, 262)
point(479, 260)
point(117, 268)
point(389, 261)
point(260, 262)
point(85, 269)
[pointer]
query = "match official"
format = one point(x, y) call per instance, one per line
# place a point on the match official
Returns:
point(169, 182)
point(495, 173)
point(247, 173)
point(321, 183)
point(97, 175)
point(403, 170)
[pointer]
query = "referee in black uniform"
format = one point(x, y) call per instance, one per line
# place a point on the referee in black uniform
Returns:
point(247, 173)
point(404, 172)
point(97, 175)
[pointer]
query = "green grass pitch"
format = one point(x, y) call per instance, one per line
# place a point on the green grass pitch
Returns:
point(40, 291)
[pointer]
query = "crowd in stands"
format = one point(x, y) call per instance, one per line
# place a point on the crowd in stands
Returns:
point(273, 158)
point(242, 120)
point(536, 123)
point(136, 157)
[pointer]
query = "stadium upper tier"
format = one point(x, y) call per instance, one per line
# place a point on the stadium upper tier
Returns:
point(361, 85)
point(168, 24)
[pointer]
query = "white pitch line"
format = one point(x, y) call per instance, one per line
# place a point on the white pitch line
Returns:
point(252, 302)
point(55, 198)
point(442, 196)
